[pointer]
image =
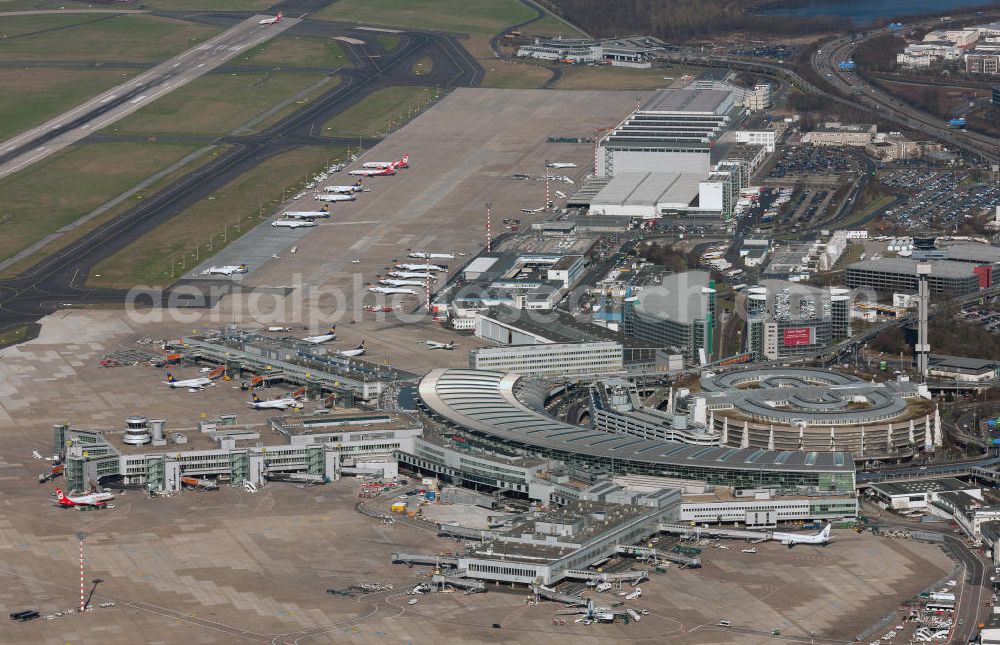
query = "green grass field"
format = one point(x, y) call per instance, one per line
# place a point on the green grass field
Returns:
point(373, 113)
point(208, 5)
point(463, 16)
point(587, 77)
point(82, 229)
point(148, 260)
point(551, 26)
point(215, 103)
point(296, 51)
point(388, 41)
point(56, 192)
point(98, 38)
point(33, 96)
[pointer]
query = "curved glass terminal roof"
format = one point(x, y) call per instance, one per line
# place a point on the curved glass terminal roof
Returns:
point(484, 402)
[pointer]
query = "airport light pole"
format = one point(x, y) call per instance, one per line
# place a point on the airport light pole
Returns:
point(83, 606)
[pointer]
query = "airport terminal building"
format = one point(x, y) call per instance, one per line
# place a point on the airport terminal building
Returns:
point(501, 413)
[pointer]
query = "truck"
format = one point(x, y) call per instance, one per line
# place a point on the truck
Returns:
point(54, 472)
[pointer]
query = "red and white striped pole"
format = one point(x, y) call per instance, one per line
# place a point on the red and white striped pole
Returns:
point(82, 592)
point(547, 202)
point(489, 232)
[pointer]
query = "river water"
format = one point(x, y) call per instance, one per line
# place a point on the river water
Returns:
point(865, 11)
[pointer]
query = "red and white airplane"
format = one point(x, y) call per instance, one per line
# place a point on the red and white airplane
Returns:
point(399, 163)
point(375, 172)
point(90, 499)
point(271, 21)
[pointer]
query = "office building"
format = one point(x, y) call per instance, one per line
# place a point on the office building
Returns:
point(552, 360)
point(678, 314)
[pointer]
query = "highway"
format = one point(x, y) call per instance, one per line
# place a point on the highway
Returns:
point(59, 280)
point(115, 104)
point(825, 60)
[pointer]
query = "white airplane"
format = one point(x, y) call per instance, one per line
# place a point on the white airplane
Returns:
point(279, 329)
point(392, 290)
point(292, 223)
point(421, 267)
point(335, 197)
point(432, 256)
point(560, 194)
point(401, 283)
point(274, 404)
point(324, 338)
point(194, 383)
point(271, 21)
point(305, 214)
point(353, 188)
point(351, 353)
point(560, 164)
point(355, 261)
point(36, 454)
point(226, 270)
point(412, 274)
point(374, 172)
point(791, 539)
point(90, 499)
point(399, 163)
point(532, 211)
point(435, 345)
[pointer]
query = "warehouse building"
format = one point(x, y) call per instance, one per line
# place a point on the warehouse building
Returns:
point(678, 314)
point(675, 129)
point(518, 280)
point(900, 274)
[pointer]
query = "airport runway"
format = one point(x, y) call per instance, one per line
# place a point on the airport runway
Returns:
point(59, 280)
point(117, 103)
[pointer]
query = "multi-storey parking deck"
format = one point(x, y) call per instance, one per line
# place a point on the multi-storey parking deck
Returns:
point(501, 409)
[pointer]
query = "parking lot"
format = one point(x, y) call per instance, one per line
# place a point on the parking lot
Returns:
point(942, 199)
point(808, 163)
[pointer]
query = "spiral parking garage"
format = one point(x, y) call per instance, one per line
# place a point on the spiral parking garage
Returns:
point(502, 412)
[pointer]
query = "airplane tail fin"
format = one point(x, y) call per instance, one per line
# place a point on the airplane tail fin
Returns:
point(825, 533)
point(170, 378)
point(61, 497)
point(279, 16)
point(406, 158)
point(362, 345)
point(255, 398)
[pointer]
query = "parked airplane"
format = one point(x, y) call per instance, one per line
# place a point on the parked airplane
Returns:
point(292, 223)
point(399, 163)
point(324, 338)
point(271, 21)
point(355, 261)
point(432, 256)
point(196, 383)
point(392, 290)
point(421, 267)
point(374, 172)
point(90, 499)
point(791, 539)
point(532, 211)
point(279, 329)
point(351, 353)
point(560, 194)
point(412, 274)
point(353, 188)
point(226, 270)
point(335, 197)
point(560, 164)
point(401, 283)
point(325, 212)
point(435, 345)
point(36, 454)
point(282, 403)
